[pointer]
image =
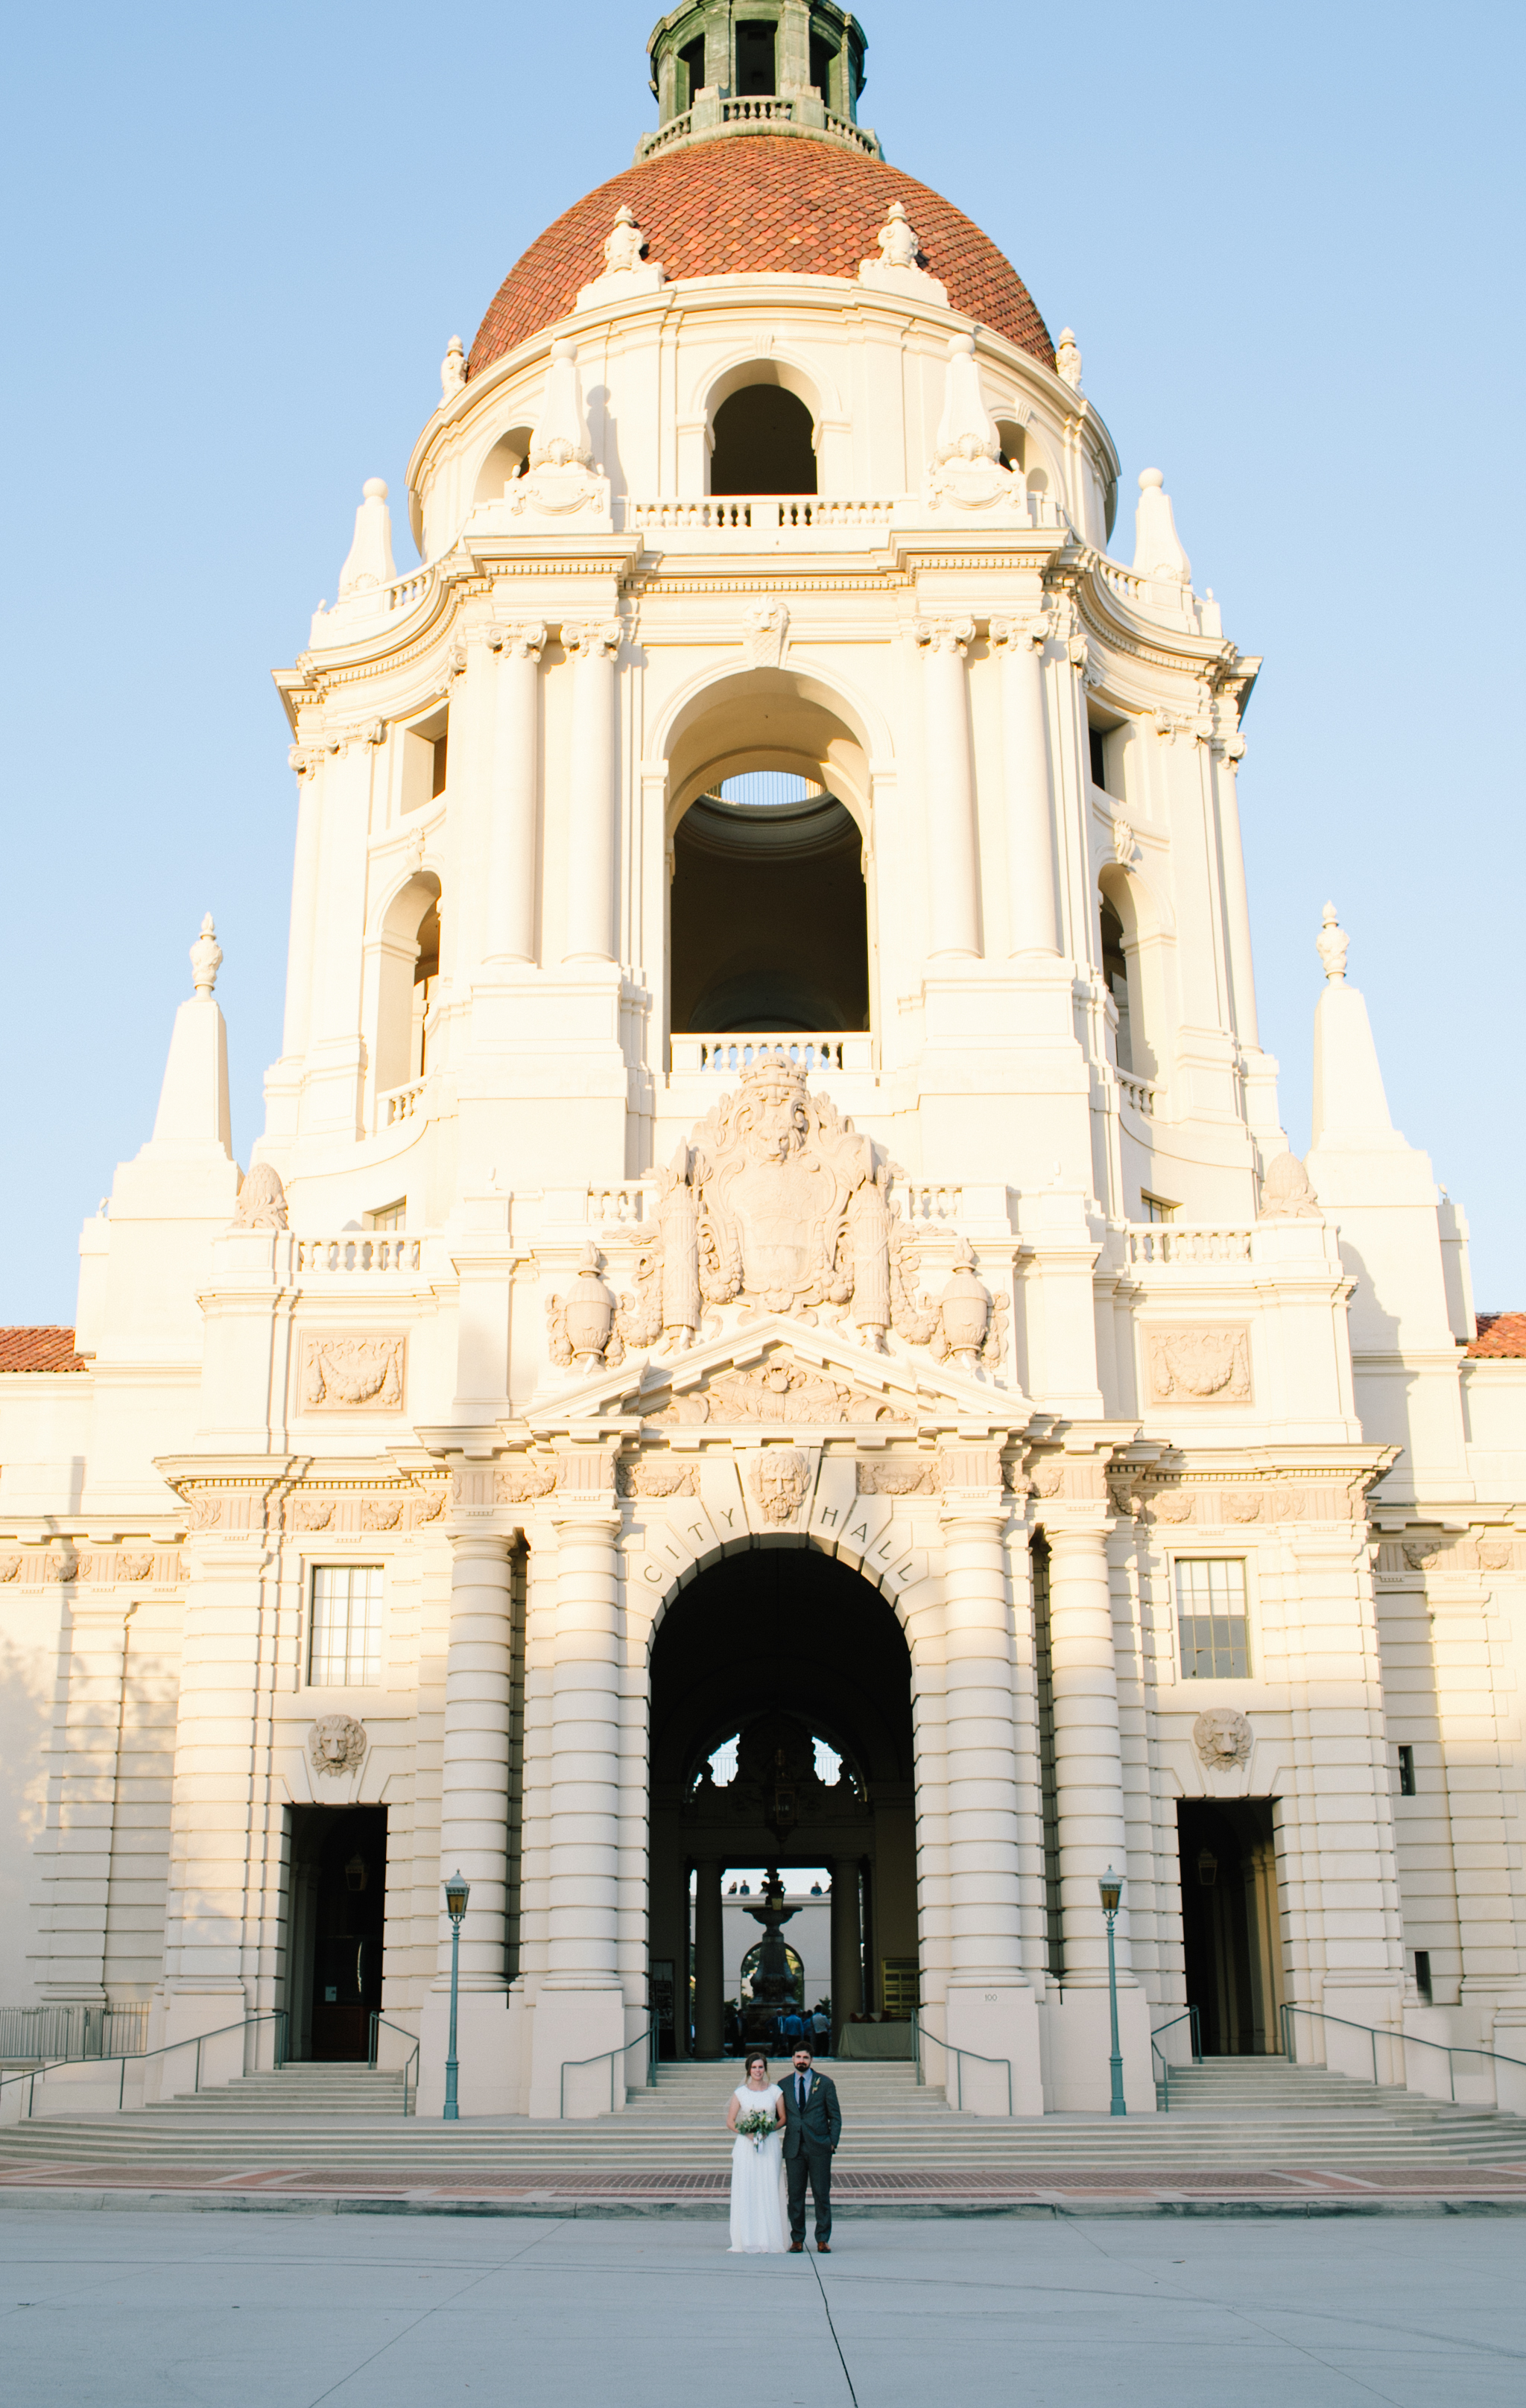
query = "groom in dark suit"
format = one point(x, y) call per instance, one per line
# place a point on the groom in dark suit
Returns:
point(813, 2127)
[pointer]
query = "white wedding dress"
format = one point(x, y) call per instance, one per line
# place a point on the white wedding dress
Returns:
point(760, 2216)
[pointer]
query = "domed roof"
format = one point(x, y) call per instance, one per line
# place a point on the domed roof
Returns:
point(758, 203)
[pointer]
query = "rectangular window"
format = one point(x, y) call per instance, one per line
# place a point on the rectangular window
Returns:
point(1157, 1208)
point(1422, 1974)
point(1407, 1772)
point(389, 1216)
point(1211, 1613)
point(1099, 758)
point(345, 1652)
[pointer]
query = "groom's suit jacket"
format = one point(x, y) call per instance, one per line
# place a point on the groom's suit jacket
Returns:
point(820, 2124)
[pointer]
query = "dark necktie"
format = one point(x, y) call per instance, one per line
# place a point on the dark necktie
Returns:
point(799, 2090)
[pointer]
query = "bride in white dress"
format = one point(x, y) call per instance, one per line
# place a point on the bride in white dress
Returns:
point(759, 2226)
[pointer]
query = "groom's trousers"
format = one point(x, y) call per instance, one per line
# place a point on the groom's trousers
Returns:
point(812, 2159)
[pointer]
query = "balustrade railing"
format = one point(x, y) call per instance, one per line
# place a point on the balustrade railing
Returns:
point(1138, 1094)
point(740, 514)
point(1187, 1241)
point(932, 1203)
point(405, 1103)
point(361, 1250)
point(847, 1050)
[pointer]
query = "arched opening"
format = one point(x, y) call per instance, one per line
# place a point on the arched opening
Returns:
point(409, 969)
point(769, 927)
point(1132, 971)
point(755, 38)
point(805, 1664)
point(509, 458)
point(765, 443)
point(1116, 977)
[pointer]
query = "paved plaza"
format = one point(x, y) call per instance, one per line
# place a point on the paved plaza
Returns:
point(152, 2309)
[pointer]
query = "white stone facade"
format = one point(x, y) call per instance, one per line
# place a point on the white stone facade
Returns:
point(550, 1308)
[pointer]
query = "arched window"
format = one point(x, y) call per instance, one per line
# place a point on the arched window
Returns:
point(409, 968)
point(509, 458)
point(1116, 976)
point(765, 443)
point(770, 923)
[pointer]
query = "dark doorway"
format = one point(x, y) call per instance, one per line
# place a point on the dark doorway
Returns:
point(778, 1647)
point(754, 57)
point(1232, 1930)
point(338, 1911)
point(764, 443)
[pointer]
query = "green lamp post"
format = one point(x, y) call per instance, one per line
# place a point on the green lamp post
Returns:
point(457, 1891)
point(1111, 1887)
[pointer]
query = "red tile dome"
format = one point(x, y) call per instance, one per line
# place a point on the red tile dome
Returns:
point(758, 203)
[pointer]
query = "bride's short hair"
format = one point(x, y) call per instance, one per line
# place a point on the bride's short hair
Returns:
point(755, 2057)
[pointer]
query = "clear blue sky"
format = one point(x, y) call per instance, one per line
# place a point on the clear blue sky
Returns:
point(237, 240)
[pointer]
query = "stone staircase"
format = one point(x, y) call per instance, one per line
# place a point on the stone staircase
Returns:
point(1243, 2115)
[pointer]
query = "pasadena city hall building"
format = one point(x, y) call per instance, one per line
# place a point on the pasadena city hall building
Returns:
point(771, 1225)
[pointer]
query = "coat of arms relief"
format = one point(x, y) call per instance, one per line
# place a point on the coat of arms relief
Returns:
point(776, 1204)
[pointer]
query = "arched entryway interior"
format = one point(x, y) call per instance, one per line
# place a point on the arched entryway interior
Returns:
point(768, 913)
point(777, 1648)
point(1232, 1928)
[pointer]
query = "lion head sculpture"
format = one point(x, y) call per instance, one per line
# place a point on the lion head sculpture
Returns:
point(337, 1743)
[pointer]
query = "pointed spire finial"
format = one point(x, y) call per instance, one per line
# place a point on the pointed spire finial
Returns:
point(1333, 942)
point(368, 563)
point(1068, 359)
point(452, 369)
point(206, 958)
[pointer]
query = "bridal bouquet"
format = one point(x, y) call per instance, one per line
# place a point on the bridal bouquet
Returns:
point(755, 2124)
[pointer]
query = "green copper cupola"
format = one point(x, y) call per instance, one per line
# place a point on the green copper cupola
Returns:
point(754, 67)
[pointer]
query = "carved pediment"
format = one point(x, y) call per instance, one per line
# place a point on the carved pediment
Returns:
point(779, 1389)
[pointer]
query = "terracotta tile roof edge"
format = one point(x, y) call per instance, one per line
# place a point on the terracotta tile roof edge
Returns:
point(1501, 1337)
point(43, 1346)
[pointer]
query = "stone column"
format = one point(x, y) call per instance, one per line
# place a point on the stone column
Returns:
point(991, 2010)
point(474, 1830)
point(513, 796)
point(1227, 755)
point(1031, 924)
point(709, 1961)
point(591, 849)
point(302, 950)
point(579, 2011)
point(847, 1944)
point(1088, 1784)
point(952, 869)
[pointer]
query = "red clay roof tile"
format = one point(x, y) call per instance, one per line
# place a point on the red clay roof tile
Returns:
point(756, 203)
point(1498, 1334)
point(46, 1348)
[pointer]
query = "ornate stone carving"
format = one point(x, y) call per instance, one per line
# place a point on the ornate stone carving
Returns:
point(1068, 359)
point(967, 471)
point(343, 1372)
point(1172, 1504)
point(764, 631)
point(1286, 1192)
point(971, 1325)
point(1420, 1551)
point(780, 1480)
point(779, 1391)
point(593, 639)
point(655, 1475)
point(898, 267)
point(432, 1504)
point(206, 958)
point(60, 1564)
point(901, 1476)
point(581, 1325)
point(1288, 1504)
point(1223, 1739)
point(522, 1478)
point(1125, 842)
point(1199, 1366)
point(1332, 944)
point(336, 1744)
point(1242, 1504)
point(381, 1513)
point(262, 1199)
point(1047, 1477)
point(626, 269)
point(309, 1513)
point(452, 370)
point(1120, 1494)
point(204, 1509)
point(561, 479)
point(10, 1567)
point(1495, 1555)
point(134, 1567)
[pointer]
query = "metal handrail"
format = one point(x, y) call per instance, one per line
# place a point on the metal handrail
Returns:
point(920, 2032)
point(140, 2057)
point(378, 2021)
point(1405, 2039)
point(1162, 2080)
point(575, 2064)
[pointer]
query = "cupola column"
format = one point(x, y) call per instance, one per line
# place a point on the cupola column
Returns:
point(474, 1827)
point(581, 2007)
point(1032, 925)
point(590, 893)
point(990, 2007)
point(954, 911)
point(511, 839)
